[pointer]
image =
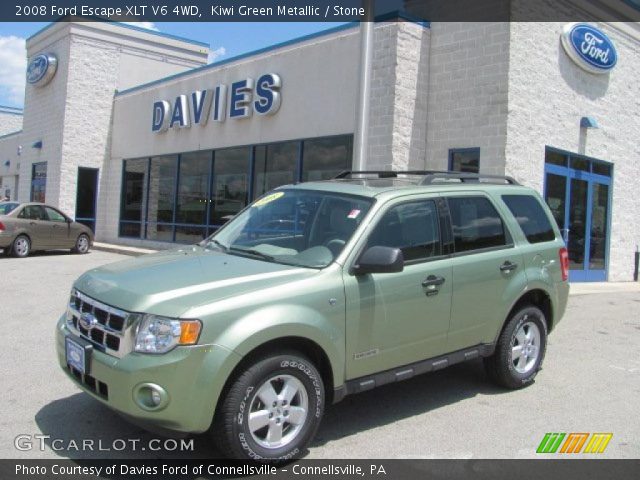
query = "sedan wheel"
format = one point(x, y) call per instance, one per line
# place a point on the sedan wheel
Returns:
point(82, 244)
point(21, 246)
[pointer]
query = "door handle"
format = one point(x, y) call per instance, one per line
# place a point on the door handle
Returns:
point(432, 281)
point(508, 266)
point(32, 223)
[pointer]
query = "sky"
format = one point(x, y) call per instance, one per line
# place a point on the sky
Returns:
point(225, 40)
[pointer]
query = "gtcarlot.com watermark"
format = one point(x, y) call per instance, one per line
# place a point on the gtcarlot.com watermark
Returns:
point(40, 442)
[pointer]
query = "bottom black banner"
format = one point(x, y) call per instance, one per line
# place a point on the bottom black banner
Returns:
point(547, 469)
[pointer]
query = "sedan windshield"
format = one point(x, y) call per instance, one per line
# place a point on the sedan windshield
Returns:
point(7, 207)
point(294, 227)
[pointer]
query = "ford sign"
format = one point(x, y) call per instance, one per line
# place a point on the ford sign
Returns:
point(589, 47)
point(41, 69)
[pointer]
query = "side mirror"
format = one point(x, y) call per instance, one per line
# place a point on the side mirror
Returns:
point(380, 260)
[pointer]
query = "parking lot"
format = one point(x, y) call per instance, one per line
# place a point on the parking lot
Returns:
point(590, 383)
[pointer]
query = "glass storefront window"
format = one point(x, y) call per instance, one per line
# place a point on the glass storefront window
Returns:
point(185, 197)
point(324, 158)
point(162, 188)
point(275, 165)
point(230, 183)
point(193, 188)
point(134, 186)
point(38, 182)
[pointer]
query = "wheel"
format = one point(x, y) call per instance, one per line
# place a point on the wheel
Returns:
point(272, 410)
point(520, 349)
point(82, 244)
point(21, 246)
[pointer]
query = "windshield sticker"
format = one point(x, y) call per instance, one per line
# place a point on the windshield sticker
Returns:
point(268, 199)
point(353, 214)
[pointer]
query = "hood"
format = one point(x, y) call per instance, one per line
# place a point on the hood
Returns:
point(171, 282)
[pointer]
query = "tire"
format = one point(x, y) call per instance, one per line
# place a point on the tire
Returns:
point(249, 394)
point(21, 246)
point(82, 244)
point(512, 367)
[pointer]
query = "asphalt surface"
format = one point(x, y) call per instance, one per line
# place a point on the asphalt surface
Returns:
point(590, 383)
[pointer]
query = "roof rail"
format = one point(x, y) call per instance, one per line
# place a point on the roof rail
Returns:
point(431, 176)
point(467, 177)
point(385, 173)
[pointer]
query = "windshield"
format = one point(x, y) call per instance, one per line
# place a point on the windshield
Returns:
point(7, 207)
point(295, 227)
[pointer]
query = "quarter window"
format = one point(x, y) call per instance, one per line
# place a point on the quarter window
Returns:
point(531, 217)
point(476, 224)
point(411, 227)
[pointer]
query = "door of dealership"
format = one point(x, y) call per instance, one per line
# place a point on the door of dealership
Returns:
point(578, 191)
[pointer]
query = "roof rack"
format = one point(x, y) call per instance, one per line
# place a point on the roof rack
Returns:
point(431, 176)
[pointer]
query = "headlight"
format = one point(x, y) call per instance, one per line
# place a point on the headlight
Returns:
point(161, 334)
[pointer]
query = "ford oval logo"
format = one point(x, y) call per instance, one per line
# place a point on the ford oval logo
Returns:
point(41, 69)
point(589, 47)
point(87, 321)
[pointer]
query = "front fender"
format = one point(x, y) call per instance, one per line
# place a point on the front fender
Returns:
point(286, 320)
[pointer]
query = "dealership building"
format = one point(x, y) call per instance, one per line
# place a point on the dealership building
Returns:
point(134, 134)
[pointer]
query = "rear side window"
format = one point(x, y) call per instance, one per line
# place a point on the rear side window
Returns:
point(531, 217)
point(476, 224)
point(32, 212)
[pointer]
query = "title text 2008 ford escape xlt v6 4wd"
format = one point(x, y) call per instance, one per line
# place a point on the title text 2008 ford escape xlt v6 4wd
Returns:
point(316, 291)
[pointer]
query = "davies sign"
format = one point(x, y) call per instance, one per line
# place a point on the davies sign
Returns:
point(589, 47)
point(240, 100)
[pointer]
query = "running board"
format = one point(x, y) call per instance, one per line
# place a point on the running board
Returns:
point(406, 372)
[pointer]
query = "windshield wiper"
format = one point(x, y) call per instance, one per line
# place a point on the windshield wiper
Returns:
point(253, 252)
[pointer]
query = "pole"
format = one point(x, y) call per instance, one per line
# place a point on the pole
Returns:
point(361, 139)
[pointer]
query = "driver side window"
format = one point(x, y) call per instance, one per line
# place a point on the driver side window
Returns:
point(412, 227)
point(54, 215)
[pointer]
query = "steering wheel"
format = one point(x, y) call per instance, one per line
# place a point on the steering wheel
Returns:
point(335, 245)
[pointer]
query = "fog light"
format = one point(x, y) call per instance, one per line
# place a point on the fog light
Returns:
point(150, 396)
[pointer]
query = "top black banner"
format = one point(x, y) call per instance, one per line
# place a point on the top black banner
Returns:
point(321, 10)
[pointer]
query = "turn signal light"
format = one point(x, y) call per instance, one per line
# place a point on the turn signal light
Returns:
point(564, 263)
point(189, 332)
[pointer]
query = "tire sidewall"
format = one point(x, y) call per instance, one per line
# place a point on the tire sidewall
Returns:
point(15, 252)
point(528, 314)
point(297, 367)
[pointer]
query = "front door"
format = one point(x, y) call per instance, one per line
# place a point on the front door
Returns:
point(394, 319)
point(86, 197)
point(578, 191)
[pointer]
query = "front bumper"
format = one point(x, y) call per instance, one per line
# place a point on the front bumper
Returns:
point(192, 377)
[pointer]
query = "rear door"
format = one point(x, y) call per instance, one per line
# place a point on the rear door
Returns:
point(394, 319)
point(32, 219)
point(488, 271)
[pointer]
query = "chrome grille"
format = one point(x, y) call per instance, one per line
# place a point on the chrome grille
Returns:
point(108, 328)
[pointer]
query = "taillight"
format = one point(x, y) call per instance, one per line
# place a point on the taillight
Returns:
point(1, 227)
point(564, 263)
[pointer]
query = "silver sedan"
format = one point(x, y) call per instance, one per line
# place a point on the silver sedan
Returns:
point(26, 227)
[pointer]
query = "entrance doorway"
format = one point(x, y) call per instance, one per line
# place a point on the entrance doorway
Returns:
point(578, 191)
point(86, 196)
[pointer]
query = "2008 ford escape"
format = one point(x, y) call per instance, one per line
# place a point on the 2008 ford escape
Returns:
point(314, 292)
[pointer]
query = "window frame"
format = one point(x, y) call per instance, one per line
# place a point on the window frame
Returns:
point(453, 151)
point(509, 242)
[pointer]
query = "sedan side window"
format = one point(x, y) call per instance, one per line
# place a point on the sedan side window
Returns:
point(32, 212)
point(54, 215)
point(412, 227)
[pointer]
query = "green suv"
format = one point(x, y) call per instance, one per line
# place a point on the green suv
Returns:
point(316, 291)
